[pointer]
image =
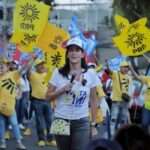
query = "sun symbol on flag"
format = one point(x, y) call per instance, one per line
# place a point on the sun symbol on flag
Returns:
point(29, 38)
point(29, 12)
point(58, 39)
point(135, 39)
point(56, 59)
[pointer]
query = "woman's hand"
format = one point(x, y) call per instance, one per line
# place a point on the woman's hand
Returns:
point(68, 87)
point(93, 131)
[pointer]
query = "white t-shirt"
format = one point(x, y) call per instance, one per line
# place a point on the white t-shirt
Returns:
point(73, 105)
point(25, 84)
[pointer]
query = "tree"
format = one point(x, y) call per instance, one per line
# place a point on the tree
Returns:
point(133, 9)
point(48, 2)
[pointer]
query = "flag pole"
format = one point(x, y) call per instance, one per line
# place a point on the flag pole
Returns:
point(4, 27)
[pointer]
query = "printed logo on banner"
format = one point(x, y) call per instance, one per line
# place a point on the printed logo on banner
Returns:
point(134, 39)
point(56, 59)
point(30, 38)
point(29, 12)
point(56, 41)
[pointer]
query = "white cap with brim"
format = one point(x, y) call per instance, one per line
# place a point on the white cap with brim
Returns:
point(75, 41)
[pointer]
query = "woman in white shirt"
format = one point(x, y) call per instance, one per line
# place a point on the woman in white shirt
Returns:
point(73, 97)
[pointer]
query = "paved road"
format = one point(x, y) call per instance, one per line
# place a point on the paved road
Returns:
point(29, 141)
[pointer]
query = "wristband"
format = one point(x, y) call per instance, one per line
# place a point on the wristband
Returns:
point(94, 124)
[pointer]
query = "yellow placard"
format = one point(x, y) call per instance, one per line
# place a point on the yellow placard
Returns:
point(134, 39)
point(99, 67)
point(121, 22)
point(52, 38)
point(26, 42)
point(53, 60)
point(30, 16)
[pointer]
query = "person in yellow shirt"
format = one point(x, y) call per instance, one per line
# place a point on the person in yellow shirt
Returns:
point(120, 81)
point(42, 108)
point(8, 84)
point(146, 108)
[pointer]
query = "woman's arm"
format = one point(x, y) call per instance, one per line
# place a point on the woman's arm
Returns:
point(53, 94)
point(94, 109)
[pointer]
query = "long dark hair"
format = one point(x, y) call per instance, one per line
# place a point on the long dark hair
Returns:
point(66, 68)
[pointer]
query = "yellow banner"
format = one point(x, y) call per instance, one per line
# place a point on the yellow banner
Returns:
point(30, 16)
point(134, 39)
point(53, 60)
point(26, 42)
point(99, 67)
point(121, 22)
point(52, 38)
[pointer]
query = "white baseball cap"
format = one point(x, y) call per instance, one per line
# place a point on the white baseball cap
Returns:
point(75, 41)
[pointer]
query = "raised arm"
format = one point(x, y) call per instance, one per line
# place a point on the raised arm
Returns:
point(134, 73)
point(108, 67)
point(24, 66)
point(147, 58)
point(30, 64)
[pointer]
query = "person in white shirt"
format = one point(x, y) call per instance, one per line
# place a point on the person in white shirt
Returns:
point(73, 97)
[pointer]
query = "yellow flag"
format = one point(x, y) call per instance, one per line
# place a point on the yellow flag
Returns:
point(98, 68)
point(53, 60)
point(121, 22)
point(52, 38)
point(134, 39)
point(30, 16)
point(26, 42)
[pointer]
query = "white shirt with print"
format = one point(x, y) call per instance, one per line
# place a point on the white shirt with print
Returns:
point(73, 105)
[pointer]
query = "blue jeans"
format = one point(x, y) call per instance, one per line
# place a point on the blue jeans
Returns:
point(79, 136)
point(43, 113)
point(145, 118)
point(20, 106)
point(13, 121)
point(118, 109)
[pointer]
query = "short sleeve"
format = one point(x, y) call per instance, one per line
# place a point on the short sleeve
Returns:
point(54, 78)
point(95, 81)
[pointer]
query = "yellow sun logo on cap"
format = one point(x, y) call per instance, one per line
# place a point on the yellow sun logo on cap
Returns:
point(29, 12)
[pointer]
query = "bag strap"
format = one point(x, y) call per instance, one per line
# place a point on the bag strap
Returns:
point(119, 81)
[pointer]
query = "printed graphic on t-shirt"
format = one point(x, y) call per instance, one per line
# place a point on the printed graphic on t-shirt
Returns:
point(9, 85)
point(77, 100)
point(125, 83)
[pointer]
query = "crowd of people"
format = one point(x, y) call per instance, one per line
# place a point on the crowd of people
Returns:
point(73, 93)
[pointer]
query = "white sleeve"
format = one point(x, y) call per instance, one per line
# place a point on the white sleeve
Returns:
point(54, 78)
point(94, 79)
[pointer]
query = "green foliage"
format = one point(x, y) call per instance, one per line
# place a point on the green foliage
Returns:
point(47, 2)
point(131, 9)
